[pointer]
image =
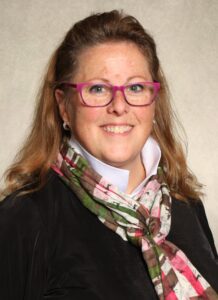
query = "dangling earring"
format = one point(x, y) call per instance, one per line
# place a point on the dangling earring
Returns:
point(154, 121)
point(66, 126)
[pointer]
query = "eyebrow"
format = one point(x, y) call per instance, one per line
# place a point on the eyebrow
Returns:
point(138, 76)
point(128, 79)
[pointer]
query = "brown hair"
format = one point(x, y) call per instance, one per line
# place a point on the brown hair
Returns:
point(35, 158)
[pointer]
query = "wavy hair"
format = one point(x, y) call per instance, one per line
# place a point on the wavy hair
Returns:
point(33, 162)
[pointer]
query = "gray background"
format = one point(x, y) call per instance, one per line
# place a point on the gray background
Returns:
point(186, 33)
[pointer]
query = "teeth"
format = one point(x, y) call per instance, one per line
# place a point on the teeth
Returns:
point(117, 129)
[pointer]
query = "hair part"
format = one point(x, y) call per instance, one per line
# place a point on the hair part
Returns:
point(33, 162)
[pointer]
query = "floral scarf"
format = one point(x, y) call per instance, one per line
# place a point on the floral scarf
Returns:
point(143, 220)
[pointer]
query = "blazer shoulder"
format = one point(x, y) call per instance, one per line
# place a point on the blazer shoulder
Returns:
point(199, 209)
point(31, 209)
point(193, 212)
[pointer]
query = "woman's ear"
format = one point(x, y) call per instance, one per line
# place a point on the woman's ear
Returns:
point(61, 101)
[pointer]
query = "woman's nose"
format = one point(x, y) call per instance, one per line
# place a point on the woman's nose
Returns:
point(118, 105)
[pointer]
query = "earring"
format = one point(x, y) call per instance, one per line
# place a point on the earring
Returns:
point(154, 121)
point(66, 126)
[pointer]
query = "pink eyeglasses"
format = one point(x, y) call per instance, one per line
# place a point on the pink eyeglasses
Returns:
point(102, 94)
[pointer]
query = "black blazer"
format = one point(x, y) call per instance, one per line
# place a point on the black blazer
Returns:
point(51, 247)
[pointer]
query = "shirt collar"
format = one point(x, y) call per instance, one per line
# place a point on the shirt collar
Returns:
point(151, 155)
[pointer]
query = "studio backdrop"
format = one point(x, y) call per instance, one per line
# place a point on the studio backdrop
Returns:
point(187, 41)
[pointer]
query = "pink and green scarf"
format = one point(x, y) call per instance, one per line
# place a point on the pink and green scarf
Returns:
point(143, 220)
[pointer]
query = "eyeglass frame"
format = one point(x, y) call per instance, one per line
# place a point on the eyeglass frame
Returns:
point(115, 88)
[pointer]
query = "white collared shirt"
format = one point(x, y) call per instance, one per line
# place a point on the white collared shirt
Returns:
point(151, 155)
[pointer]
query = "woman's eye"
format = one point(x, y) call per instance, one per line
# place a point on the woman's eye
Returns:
point(97, 89)
point(136, 88)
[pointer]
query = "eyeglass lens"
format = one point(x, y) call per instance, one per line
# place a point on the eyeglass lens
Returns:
point(101, 94)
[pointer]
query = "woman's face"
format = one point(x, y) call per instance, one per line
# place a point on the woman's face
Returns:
point(115, 134)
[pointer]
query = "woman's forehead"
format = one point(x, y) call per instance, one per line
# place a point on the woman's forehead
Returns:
point(111, 59)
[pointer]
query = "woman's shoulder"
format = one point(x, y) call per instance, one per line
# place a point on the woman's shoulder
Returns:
point(190, 217)
point(25, 240)
point(18, 213)
point(35, 209)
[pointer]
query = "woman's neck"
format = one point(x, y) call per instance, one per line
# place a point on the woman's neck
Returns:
point(136, 176)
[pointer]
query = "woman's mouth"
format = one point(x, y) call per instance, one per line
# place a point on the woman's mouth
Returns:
point(119, 129)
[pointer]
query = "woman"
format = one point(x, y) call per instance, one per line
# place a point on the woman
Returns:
point(101, 203)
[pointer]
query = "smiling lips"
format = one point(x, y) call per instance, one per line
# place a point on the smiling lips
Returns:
point(117, 128)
